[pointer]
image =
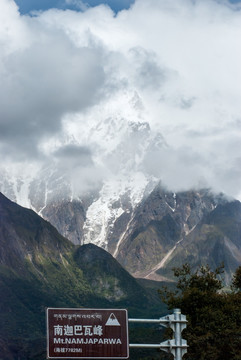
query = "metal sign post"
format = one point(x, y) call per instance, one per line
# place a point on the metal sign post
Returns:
point(177, 322)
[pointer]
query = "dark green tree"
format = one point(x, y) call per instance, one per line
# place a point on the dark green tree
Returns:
point(237, 279)
point(214, 316)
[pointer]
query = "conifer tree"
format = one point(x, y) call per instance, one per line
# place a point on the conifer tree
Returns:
point(214, 316)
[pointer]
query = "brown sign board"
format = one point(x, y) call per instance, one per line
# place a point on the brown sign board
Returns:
point(87, 334)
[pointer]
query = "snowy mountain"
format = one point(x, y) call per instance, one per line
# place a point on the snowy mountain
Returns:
point(98, 189)
point(91, 198)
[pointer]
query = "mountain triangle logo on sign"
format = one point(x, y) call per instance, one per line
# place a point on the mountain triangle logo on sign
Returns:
point(112, 321)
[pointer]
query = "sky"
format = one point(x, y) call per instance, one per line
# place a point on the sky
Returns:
point(26, 6)
point(68, 66)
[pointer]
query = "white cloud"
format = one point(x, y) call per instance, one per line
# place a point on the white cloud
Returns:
point(78, 4)
point(173, 64)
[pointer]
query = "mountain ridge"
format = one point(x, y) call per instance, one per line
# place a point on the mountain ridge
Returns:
point(142, 237)
point(39, 268)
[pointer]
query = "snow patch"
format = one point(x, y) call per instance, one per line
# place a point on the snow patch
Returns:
point(102, 214)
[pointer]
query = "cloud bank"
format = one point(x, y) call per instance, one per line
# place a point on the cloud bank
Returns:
point(72, 84)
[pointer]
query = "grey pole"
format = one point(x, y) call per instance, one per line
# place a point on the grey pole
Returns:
point(177, 336)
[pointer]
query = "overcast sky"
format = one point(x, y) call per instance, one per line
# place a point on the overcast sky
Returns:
point(65, 70)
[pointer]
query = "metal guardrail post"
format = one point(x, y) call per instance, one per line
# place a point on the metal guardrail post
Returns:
point(177, 322)
point(177, 334)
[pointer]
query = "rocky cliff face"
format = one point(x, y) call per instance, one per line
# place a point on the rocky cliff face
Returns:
point(141, 226)
point(215, 240)
point(146, 236)
point(68, 217)
point(161, 222)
